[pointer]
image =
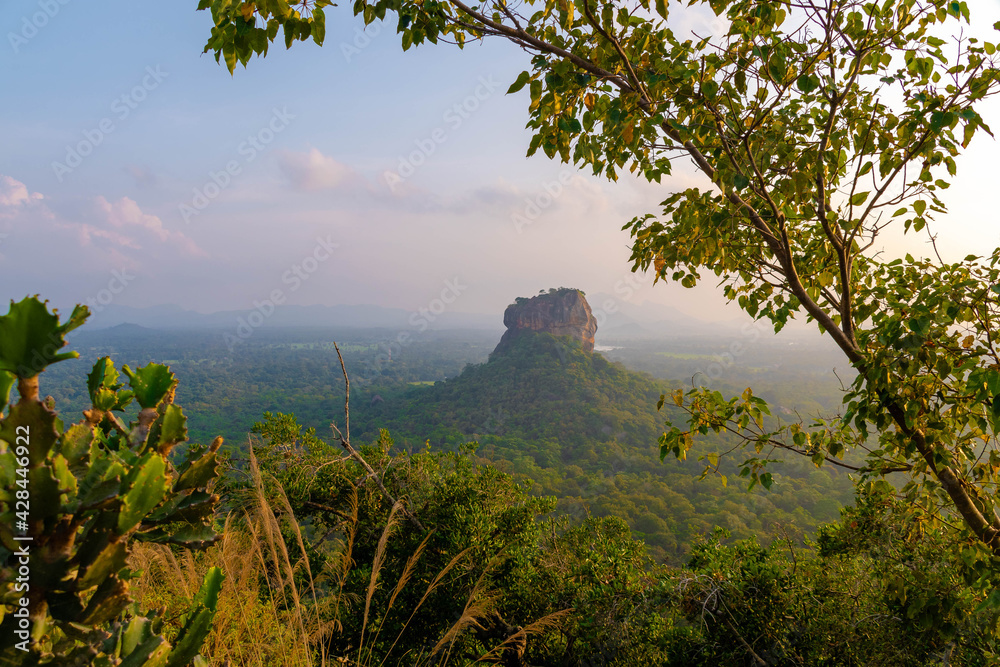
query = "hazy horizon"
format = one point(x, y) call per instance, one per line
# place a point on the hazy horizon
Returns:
point(134, 170)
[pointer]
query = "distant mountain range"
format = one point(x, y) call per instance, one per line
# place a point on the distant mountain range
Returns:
point(620, 319)
point(362, 316)
point(617, 319)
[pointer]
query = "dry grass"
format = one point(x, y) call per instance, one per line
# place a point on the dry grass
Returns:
point(263, 619)
point(250, 629)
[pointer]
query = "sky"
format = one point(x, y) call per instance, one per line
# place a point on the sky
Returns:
point(135, 170)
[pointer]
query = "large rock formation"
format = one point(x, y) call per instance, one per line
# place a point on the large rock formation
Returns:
point(562, 312)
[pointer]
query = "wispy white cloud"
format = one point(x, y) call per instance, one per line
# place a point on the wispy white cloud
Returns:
point(125, 214)
point(15, 197)
point(312, 171)
point(83, 236)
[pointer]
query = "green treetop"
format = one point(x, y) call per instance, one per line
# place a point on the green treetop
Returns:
point(816, 126)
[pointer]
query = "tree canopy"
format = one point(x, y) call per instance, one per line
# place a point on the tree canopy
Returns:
point(817, 125)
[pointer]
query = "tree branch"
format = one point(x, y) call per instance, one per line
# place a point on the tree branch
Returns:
point(355, 454)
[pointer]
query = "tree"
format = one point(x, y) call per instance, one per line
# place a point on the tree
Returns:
point(817, 126)
point(536, 590)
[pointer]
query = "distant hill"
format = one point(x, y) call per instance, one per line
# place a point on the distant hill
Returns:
point(540, 388)
point(585, 430)
point(617, 319)
point(341, 316)
point(574, 424)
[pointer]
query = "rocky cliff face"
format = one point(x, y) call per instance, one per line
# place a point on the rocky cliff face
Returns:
point(563, 312)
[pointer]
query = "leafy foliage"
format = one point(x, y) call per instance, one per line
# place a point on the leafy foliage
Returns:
point(486, 542)
point(75, 499)
point(882, 589)
point(578, 427)
point(585, 430)
point(792, 119)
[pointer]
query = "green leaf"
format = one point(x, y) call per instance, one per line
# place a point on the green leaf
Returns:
point(198, 622)
point(46, 491)
point(150, 384)
point(519, 83)
point(194, 507)
point(152, 652)
point(42, 429)
point(75, 443)
point(65, 478)
point(107, 562)
point(229, 53)
point(776, 68)
point(919, 206)
point(740, 181)
point(919, 325)
point(171, 428)
point(108, 601)
point(318, 26)
point(192, 536)
point(104, 399)
point(31, 336)
point(146, 487)
point(198, 472)
point(807, 83)
point(766, 480)
point(535, 88)
point(859, 198)
point(211, 586)
point(138, 630)
point(100, 495)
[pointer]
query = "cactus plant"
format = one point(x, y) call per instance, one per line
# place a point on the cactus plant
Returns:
point(73, 499)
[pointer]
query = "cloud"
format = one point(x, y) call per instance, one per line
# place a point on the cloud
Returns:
point(566, 195)
point(15, 197)
point(87, 234)
point(79, 236)
point(126, 215)
point(312, 171)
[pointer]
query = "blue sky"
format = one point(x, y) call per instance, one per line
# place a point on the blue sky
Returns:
point(205, 190)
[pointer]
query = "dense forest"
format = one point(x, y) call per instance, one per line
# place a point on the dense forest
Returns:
point(575, 426)
point(558, 538)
